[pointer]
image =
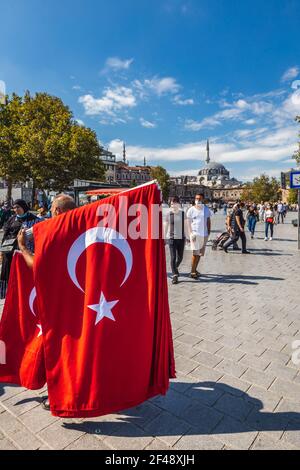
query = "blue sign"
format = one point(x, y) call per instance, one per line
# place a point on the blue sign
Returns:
point(295, 180)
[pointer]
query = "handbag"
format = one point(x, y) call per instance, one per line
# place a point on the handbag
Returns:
point(9, 245)
point(270, 220)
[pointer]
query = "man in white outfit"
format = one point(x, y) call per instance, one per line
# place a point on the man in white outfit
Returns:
point(199, 225)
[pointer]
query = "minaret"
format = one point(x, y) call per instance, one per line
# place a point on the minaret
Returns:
point(207, 152)
point(124, 153)
point(144, 161)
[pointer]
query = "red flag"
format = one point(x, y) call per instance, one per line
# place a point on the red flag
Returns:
point(20, 330)
point(103, 304)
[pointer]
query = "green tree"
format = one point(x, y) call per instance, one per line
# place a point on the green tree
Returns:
point(293, 196)
point(263, 188)
point(11, 162)
point(40, 140)
point(56, 150)
point(161, 175)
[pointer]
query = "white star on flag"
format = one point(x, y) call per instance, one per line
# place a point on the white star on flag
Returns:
point(103, 308)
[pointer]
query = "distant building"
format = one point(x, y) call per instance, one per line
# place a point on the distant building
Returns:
point(186, 188)
point(215, 174)
point(110, 165)
point(132, 175)
point(213, 180)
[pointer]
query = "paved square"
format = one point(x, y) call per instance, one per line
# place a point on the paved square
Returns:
point(236, 386)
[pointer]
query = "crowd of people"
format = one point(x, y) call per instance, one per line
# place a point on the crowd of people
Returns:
point(192, 228)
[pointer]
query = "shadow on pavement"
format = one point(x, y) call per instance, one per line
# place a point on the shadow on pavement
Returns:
point(191, 413)
point(228, 278)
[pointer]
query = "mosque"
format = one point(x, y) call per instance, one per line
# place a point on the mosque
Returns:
point(215, 174)
point(213, 180)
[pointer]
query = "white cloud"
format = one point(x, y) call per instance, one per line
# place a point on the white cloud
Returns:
point(250, 133)
point(113, 100)
point(147, 124)
point(290, 74)
point(192, 125)
point(274, 147)
point(114, 63)
point(76, 87)
point(159, 86)
point(250, 122)
point(235, 111)
point(183, 102)
point(80, 122)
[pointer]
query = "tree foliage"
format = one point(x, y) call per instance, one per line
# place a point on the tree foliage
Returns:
point(293, 196)
point(44, 143)
point(263, 188)
point(161, 175)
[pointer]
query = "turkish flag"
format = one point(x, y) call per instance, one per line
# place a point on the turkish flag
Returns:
point(20, 331)
point(103, 304)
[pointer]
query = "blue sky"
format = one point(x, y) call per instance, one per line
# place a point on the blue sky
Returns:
point(165, 75)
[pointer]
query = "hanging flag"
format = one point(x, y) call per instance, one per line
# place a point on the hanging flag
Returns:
point(100, 277)
point(20, 330)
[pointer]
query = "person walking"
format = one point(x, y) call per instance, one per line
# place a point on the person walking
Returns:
point(251, 219)
point(270, 221)
point(199, 226)
point(280, 213)
point(175, 235)
point(261, 211)
point(237, 230)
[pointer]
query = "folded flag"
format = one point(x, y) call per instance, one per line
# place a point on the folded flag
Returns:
point(100, 278)
point(20, 330)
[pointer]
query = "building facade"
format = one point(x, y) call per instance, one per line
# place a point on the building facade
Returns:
point(213, 180)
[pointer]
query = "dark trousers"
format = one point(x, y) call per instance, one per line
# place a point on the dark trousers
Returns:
point(234, 238)
point(176, 252)
point(267, 225)
point(251, 224)
point(281, 216)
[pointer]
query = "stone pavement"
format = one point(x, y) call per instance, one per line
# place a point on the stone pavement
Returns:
point(237, 387)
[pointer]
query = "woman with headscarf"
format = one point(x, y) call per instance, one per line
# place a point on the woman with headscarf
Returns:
point(22, 218)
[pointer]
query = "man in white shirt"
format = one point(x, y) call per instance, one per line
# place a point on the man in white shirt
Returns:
point(199, 225)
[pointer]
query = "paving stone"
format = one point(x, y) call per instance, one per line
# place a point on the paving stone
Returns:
point(207, 359)
point(202, 417)
point(262, 399)
point(38, 419)
point(258, 363)
point(231, 368)
point(263, 379)
point(234, 433)
point(58, 436)
point(233, 385)
point(157, 444)
point(287, 389)
point(87, 442)
point(22, 402)
point(282, 372)
point(198, 442)
point(168, 428)
point(234, 406)
point(185, 365)
point(205, 392)
point(6, 444)
point(204, 373)
point(265, 442)
point(232, 354)
point(173, 402)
